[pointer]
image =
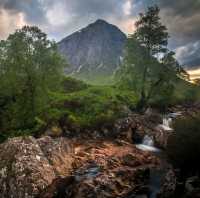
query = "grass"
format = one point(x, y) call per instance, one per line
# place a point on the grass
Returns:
point(88, 107)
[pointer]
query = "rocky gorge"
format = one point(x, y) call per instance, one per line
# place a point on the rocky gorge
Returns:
point(130, 164)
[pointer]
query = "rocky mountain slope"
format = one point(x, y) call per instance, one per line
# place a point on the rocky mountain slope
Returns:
point(94, 51)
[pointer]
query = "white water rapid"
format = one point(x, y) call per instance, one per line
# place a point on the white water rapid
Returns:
point(166, 125)
point(148, 142)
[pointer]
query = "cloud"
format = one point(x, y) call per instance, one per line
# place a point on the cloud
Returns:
point(182, 29)
point(72, 15)
point(127, 7)
point(189, 55)
point(10, 21)
point(32, 9)
point(60, 18)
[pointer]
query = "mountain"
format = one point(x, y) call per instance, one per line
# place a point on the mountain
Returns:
point(93, 52)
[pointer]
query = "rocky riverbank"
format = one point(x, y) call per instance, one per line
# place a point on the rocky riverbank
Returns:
point(102, 164)
point(58, 167)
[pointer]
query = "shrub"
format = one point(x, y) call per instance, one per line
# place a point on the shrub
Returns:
point(89, 108)
point(70, 85)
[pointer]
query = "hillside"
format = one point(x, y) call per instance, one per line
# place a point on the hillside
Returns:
point(94, 52)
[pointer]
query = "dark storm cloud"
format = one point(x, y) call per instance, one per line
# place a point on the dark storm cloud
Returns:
point(184, 8)
point(32, 9)
point(190, 54)
point(182, 18)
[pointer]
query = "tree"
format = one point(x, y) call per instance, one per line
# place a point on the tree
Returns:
point(30, 67)
point(153, 36)
point(170, 61)
point(150, 32)
point(152, 78)
point(159, 80)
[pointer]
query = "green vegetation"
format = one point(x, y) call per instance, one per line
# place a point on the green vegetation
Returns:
point(34, 94)
point(183, 146)
point(88, 108)
point(30, 67)
point(156, 81)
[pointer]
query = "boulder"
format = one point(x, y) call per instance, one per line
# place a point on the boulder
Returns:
point(168, 186)
point(28, 165)
point(192, 187)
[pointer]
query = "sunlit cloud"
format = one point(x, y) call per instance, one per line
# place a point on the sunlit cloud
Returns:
point(127, 7)
point(9, 21)
point(194, 74)
point(128, 25)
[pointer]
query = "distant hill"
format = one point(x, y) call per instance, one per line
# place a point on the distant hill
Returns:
point(94, 52)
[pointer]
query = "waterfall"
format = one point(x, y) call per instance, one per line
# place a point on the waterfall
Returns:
point(166, 125)
point(167, 122)
point(147, 144)
point(148, 141)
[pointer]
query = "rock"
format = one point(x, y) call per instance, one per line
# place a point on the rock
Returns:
point(130, 160)
point(192, 187)
point(141, 196)
point(60, 187)
point(29, 165)
point(105, 169)
point(169, 184)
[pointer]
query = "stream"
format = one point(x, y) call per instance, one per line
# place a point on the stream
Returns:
point(157, 174)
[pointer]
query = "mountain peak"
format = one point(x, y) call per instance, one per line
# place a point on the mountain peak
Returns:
point(100, 21)
point(94, 50)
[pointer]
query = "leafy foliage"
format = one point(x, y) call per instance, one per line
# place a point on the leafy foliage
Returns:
point(30, 67)
point(70, 84)
point(150, 32)
point(152, 79)
point(88, 108)
point(159, 80)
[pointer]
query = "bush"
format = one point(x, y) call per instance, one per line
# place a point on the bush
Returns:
point(184, 145)
point(89, 108)
point(70, 85)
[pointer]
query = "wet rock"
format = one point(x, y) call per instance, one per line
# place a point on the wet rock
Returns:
point(112, 170)
point(29, 165)
point(59, 188)
point(169, 184)
point(192, 187)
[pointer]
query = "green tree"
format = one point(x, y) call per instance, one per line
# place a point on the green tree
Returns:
point(143, 70)
point(151, 34)
point(159, 79)
point(30, 67)
point(170, 61)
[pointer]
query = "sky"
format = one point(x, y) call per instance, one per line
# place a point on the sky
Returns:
point(59, 18)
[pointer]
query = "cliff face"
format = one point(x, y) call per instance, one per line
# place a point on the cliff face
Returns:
point(96, 50)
